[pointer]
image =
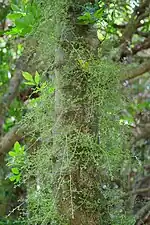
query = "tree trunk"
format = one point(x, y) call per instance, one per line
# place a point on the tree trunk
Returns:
point(78, 183)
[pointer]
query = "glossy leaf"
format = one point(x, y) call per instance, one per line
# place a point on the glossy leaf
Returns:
point(28, 76)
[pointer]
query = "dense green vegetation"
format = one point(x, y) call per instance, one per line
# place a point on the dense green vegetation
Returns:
point(74, 112)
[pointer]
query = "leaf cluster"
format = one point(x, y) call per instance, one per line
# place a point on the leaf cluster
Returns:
point(25, 16)
point(16, 162)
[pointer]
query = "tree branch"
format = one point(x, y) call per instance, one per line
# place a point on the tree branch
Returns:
point(131, 29)
point(136, 192)
point(143, 34)
point(141, 132)
point(142, 213)
point(143, 68)
point(140, 191)
point(141, 46)
point(9, 139)
point(13, 88)
point(140, 13)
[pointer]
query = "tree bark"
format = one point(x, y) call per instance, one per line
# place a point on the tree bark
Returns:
point(79, 190)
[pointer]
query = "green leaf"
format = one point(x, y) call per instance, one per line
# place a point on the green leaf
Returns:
point(29, 19)
point(21, 23)
point(14, 16)
point(28, 76)
point(12, 154)
point(101, 37)
point(12, 178)
point(35, 11)
point(15, 8)
point(13, 31)
point(17, 146)
point(43, 85)
point(86, 19)
point(26, 30)
point(51, 90)
point(15, 170)
point(18, 178)
point(86, 16)
point(99, 13)
point(37, 78)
